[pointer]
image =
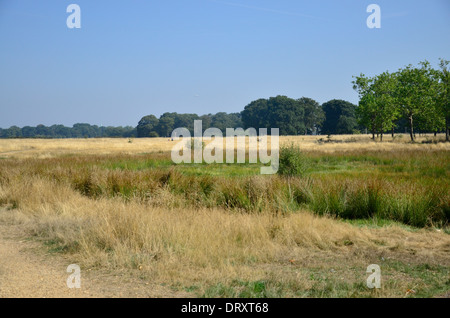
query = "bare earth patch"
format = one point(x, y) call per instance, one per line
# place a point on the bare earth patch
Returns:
point(28, 271)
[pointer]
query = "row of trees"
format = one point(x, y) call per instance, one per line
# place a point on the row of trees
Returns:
point(60, 131)
point(416, 96)
point(291, 116)
point(151, 126)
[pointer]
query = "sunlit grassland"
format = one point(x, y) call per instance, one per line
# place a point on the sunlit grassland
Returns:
point(224, 230)
point(47, 148)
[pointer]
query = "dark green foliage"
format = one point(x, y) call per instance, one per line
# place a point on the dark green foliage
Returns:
point(150, 126)
point(166, 125)
point(415, 98)
point(223, 121)
point(60, 131)
point(340, 117)
point(291, 116)
point(255, 114)
point(314, 115)
point(147, 126)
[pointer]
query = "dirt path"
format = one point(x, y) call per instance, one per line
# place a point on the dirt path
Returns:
point(26, 270)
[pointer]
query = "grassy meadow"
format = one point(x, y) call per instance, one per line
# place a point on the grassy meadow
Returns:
point(224, 230)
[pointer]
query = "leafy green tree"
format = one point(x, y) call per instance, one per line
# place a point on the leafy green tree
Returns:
point(366, 111)
point(377, 109)
point(223, 121)
point(384, 90)
point(443, 95)
point(334, 110)
point(147, 125)
point(28, 132)
point(286, 114)
point(292, 117)
point(166, 124)
point(313, 114)
point(346, 125)
point(206, 121)
point(185, 120)
point(414, 93)
point(255, 114)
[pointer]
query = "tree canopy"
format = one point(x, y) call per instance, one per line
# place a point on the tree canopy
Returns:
point(340, 117)
point(291, 116)
point(415, 96)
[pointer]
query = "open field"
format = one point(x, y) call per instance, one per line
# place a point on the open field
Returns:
point(223, 230)
point(46, 148)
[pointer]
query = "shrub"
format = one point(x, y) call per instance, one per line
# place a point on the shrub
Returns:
point(292, 161)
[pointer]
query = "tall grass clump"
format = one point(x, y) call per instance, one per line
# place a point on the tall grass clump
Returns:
point(292, 161)
point(422, 210)
point(380, 199)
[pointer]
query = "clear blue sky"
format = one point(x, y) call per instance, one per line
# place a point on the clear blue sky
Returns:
point(137, 57)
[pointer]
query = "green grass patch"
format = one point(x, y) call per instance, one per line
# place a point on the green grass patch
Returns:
point(375, 223)
point(398, 279)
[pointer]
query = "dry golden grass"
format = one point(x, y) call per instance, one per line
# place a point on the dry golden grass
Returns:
point(186, 247)
point(47, 148)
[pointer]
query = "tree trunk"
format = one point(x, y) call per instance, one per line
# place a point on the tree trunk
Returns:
point(381, 137)
point(393, 132)
point(411, 128)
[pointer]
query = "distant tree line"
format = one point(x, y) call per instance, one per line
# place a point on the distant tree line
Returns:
point(292, 116)
point(151, 126)
point(417, 98)
point(60, 131)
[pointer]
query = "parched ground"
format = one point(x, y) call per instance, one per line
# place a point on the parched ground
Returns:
point(28, 271)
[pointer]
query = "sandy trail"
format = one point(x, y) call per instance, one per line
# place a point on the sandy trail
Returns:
point(27, 271)
point(24, 273)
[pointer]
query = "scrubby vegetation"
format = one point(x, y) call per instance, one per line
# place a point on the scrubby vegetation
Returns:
point(409, 187)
